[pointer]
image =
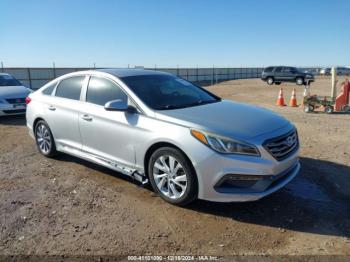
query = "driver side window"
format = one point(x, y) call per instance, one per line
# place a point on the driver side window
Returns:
point(101, 90)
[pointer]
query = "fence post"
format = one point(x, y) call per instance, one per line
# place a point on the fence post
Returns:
point(212, 78)
point(197, 74)
point(30, 78)
point(177, 70)
point(54, 70)
point(2, 67)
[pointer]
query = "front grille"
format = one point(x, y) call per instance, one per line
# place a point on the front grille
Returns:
point(21, 100)
point(283, 146)
point(16, 111)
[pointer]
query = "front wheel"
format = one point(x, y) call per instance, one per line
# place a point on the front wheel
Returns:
point(308, 108)
point(270, 81)
point(44, 139)
point(172, 176)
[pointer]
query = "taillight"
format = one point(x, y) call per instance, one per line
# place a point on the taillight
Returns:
point(28, 100)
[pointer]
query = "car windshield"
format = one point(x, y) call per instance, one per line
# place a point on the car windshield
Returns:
point(164, 92)
point(7, 80)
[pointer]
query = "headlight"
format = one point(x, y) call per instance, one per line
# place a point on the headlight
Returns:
point(225, 145)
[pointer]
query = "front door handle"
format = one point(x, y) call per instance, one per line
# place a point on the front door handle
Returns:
point(86, 117)
point(52, 108)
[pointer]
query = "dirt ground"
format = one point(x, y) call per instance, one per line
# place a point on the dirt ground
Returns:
point(72, 207)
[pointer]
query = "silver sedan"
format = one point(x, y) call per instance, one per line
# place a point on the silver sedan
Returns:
point(156, 127)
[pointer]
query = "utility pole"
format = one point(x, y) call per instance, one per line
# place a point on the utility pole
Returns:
point(2, 66)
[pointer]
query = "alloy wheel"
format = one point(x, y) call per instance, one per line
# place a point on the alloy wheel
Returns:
point(300, 81)
point(43, 139)
point(170, 176)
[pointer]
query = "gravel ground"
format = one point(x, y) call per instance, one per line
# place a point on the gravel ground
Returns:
point(72, 207)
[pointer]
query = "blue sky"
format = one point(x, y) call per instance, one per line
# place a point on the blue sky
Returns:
point(174, 32)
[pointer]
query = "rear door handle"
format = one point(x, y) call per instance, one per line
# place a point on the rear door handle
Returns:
point(86, 117)
point(52, 108)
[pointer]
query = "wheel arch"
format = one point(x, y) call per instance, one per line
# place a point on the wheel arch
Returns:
point(158, 145)
point(36, 121)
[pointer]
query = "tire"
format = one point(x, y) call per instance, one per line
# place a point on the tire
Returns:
point(177, 184)
point(308, 108)
point(328, 109)
point(346, 108)
point(44, 139)
point(277, 83)
point(299, 81)
point(270, 80)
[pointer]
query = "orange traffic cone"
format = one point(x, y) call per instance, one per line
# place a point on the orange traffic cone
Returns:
point(293, 99)
point(280, 99)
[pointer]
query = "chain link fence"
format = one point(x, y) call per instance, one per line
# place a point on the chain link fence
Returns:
point(34, 78)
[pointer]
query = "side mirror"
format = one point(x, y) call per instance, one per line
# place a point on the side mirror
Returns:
point(120, 105)
point(116, 105)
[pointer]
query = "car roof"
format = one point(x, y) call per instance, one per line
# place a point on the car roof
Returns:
point(4, 74)
point(130, 72)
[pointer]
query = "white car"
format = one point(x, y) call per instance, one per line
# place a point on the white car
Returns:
point(12, 95)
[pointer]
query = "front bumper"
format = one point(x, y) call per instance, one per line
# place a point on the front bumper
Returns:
point(264, 174)
point(7, 109)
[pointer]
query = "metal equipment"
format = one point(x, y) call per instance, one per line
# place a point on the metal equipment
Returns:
point(328, 103)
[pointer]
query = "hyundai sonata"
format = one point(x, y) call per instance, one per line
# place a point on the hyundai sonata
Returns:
point(156, 127)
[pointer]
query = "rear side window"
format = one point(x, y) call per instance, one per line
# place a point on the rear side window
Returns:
point(288, 70)
point(70, 88)
point(268, 69)
point(100, 91)
point(8, 80)
point(48, 90)
point(278, 69)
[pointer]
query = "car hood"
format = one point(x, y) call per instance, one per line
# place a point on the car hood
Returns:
point(14, 91)
point(227, 118)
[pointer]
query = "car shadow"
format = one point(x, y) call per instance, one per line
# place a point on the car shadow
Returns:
point(15, 120)
point(310, 203)
point(107, 171)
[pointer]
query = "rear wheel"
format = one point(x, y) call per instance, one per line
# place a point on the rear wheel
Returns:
point(44, 139)
point(299, 81)
point(172, 176)
point(270, 81)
